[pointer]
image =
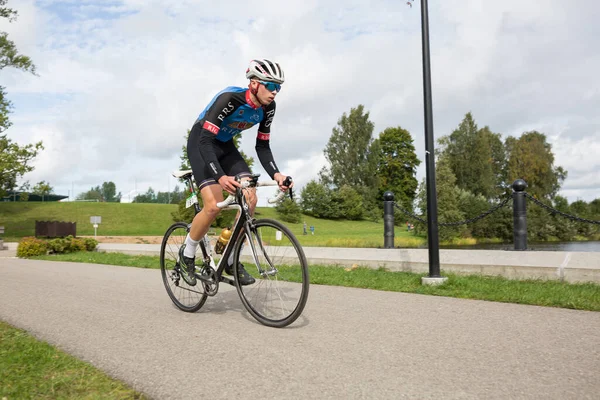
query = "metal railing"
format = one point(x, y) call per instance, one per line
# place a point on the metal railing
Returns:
point(519, 205)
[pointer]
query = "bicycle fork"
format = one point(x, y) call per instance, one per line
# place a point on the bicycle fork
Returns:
point(250, 230)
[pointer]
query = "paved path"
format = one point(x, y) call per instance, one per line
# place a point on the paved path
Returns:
point(349, 343)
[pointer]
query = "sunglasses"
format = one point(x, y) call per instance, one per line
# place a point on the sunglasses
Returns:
point(271, 86)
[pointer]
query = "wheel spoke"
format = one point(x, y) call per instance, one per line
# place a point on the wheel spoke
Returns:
point(185, 297)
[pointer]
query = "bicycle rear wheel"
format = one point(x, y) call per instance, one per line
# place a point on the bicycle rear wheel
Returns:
point(274, 257)
point(185, 297)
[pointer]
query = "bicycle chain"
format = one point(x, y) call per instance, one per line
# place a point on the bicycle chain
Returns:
point(555, 211)
point(467, 221)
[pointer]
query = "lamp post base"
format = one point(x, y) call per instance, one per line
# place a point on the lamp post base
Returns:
point(433, 281)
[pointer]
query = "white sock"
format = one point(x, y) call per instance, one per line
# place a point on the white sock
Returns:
point(190, 247)
point(230, 261)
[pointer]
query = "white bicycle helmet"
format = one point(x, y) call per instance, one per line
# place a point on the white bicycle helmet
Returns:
point(265, 70)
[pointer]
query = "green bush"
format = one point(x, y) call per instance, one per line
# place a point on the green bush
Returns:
point(31, 247)
point(90, 244)
point(288, 210)
point(75, 244)
point(68, 244)
point(58, 246)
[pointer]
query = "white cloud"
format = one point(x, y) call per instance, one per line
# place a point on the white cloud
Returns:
point(120, 82)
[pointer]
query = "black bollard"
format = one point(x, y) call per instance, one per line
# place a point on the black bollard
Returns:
point(388, 220)
point(519, 215)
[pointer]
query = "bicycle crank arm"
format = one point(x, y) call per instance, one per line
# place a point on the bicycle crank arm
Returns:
point(227, 280)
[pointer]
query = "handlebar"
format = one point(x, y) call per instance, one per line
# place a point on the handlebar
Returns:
point(254, 183)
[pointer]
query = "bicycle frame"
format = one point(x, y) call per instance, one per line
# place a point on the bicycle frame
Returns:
point(243, 221)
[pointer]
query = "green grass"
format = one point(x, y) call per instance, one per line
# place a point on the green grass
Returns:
point(95, 257)
point(118, 219)
point(31, 369)
point(153, 219)
point(533, 292)
point(329, 233)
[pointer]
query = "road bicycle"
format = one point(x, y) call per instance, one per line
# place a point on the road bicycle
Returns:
point(269, 250)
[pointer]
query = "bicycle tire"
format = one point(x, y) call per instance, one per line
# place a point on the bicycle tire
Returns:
point(185, 297)
point(278, 296)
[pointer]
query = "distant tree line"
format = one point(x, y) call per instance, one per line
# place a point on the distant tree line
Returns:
point(105, 193)
point(172, 197)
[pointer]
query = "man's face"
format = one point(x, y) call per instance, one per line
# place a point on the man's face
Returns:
point(264, 95)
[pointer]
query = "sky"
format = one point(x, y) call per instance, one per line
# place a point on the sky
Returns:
point(121, 81)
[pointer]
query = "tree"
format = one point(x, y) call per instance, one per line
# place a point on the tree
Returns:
point(319, 201)
point(288, 210)
point(148, 197)
point(94, 193)
point(498, 162)
point(348, 150)
point(397, 165)
point(530, 158)
point(311, 197)
point(351, 203)
point(5, 106)
point(10, 57)
point(24, 191)
point(185, 162)
point(499, 224)
point(448, 197)
point(177, 195)
point(565, 228)
point(15, 162)
point(353, 156)
point(163, 197)
point(108, 192)
point(43, 188)
point(475, 157)
point(14, 159)
point(595, 209)
point(582, 209)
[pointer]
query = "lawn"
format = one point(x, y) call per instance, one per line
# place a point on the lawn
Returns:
point(32, 369)
point(126, 219)
point(131, 219)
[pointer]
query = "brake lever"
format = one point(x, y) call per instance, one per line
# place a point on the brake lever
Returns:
point(287, 182)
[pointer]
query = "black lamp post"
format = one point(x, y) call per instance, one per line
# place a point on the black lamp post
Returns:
point(432, 218)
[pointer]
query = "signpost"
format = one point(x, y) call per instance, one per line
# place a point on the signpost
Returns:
point(95, 221)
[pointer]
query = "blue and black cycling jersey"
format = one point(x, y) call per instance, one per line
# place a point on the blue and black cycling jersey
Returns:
point(229, 113)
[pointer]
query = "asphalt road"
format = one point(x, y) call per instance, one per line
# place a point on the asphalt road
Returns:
point(349, 343)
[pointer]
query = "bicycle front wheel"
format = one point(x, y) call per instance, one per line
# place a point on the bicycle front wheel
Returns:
point(185, 297)
point(273, 256)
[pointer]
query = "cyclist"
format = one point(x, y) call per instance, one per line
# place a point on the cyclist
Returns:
point(215, 160)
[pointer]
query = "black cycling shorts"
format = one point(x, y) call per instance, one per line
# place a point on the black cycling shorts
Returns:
point(228, 156)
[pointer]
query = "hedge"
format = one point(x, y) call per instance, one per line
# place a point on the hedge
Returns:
point(31, 246)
